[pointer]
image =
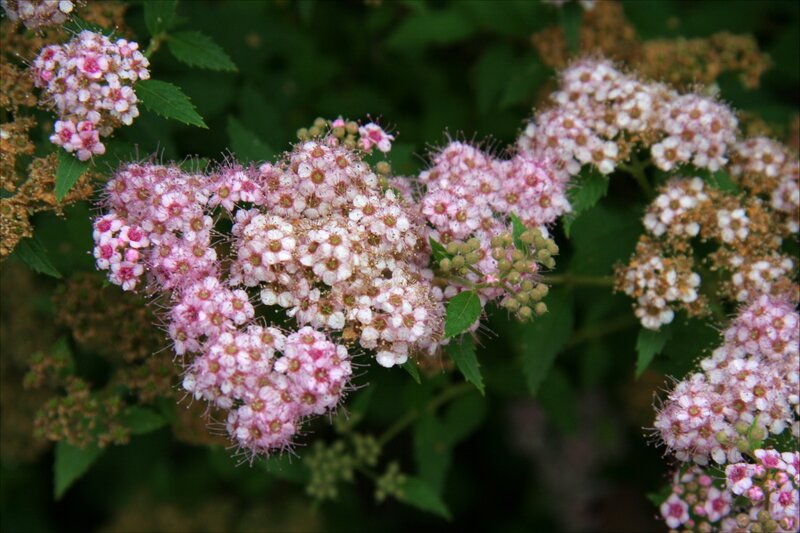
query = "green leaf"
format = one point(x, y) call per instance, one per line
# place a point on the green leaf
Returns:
point(34, 255)
point(720, 180)
point(435, 27)
point(286, 467)
point(649, 343)
point(589, 188)
point(557, 398)
point(70, 464)
point(517, 229)
point(462, 417)
point(432, 451)
point(463, 354)
point(540, 342)
point(462, 312)
point(159, 15)
point(491, 74)
point(194, 165)
point(657, 498)
point(439, 251)
point(571, 15)
point(420, 494)
point(198, 50)
point(141, 420)
point(411, 367)
point(603, 236)
point(522, 86)
point(169, 101)
point(245, 144)
point(69, 171)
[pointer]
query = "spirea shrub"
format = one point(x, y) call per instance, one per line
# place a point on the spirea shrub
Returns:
point(268, 292)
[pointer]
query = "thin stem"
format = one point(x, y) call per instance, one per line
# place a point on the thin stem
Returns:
point(155, 44)
point(601, 330)
point(573, 280)
point(636, 169)
point(446, 395)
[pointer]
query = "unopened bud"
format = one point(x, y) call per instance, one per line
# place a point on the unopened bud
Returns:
point(525, 312)
point(541, 308)
point(458, 262)
point(383, 167)
point(473, 257)
point(302, 134)
point(314, 131)
point(320, 123)
point(351, 127)
point(526, 237)
point(444, 264)
point(452, 247)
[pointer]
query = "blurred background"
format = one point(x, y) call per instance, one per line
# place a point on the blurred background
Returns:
point(574, 458)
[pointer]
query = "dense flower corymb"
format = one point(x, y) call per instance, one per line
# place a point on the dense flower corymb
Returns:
point(89, 83)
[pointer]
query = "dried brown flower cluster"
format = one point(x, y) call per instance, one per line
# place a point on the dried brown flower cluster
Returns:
point(30, 182)
point(25, 327)
point(746, 229)
point(604, 29)
point(680, 62)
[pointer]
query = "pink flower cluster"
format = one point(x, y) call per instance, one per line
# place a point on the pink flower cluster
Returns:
point(600, 111)
point(770, 484)
point(89, 83)
point(749, 387)
point(38, 13)
point(695, 501)
point(159, 226)
point(769, 169)
point(470, 194)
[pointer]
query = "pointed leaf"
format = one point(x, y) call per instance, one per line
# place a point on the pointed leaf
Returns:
point(141, 420)
point(69, 171)
point(199, 50)
point(169, 101)
point(517, 229)
point(421, 495)
point(439, 252)
point(463, 354)
point(70, 464)
point(462, 312)
point(590, 187)
point(34, 255)
point(159, 15)
point(541, 341)
point(649, 343)
point(432, 453)
point(245, 144)
point(411, 367)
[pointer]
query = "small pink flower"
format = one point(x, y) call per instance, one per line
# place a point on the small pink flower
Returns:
point(373, 135)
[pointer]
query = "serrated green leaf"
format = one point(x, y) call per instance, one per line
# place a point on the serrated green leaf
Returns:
point(198, 50)
point(462, 312)
point(245, 144)
point(69, 171)
point(517, 229)
point(411, 367)
point(418, 493)
point(439, 252)
point(649, 343)
point(141, 420)
point(571, 16)
point(657, 498)
point(541, 341)
point(462, 417)
point(465, 358)
point(589, 188)
point(194, 164)
point(169, 101)
point(491, 72)
point(432, 452)
point(33, 254)
point(159, 15)
point(522, 86)
point(557, 397)
point(70, 464)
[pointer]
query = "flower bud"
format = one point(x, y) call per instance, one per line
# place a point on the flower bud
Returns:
point(444, 264)
point(540, 309)
point(525, 312)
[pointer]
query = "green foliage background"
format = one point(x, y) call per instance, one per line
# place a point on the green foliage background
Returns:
point(430, 71)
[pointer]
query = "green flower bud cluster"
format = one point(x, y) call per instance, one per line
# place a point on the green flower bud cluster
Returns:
point(328, 466)
point(390, 483)
point(347, 134)
point(751, 437)
point(367, 449)
point(763, 522)
point(516, 264)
